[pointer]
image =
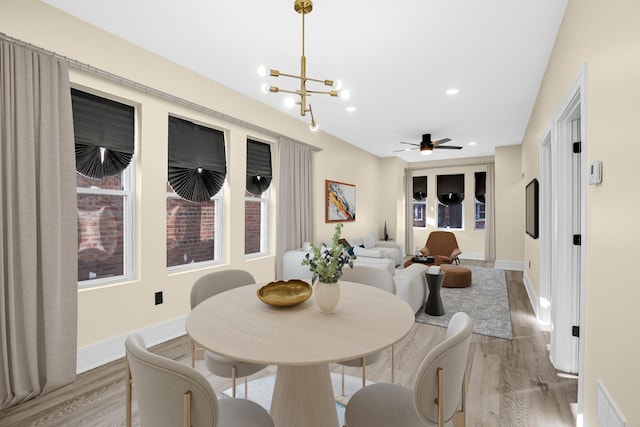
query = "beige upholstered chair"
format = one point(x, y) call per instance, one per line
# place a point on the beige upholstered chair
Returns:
point(206, 287)
point(443, 246)
point(436, 395)
point(172, 394)
point(380, 279)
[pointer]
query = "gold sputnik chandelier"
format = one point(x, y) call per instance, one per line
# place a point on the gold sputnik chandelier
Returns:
point(303, 7)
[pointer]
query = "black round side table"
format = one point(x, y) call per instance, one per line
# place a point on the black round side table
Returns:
point(434, 305)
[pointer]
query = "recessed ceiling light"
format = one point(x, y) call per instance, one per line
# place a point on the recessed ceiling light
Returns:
point(351, 109)
point(472, 143)
point(452, 91)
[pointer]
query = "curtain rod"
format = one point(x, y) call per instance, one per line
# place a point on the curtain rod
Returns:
point(449, 166)
point(147, 89)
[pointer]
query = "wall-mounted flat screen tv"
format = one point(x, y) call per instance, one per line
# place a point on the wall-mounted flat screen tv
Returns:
point(531, 209)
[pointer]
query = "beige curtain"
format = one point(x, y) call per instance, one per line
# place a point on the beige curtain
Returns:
point(38, 231)
point(408, 208)
point(295, 198)
point(489, 212)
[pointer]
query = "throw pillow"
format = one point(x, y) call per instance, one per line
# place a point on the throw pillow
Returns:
point(347, 246)
point(369, 253)
point(369, 241)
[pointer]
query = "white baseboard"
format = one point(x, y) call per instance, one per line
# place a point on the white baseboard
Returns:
point(533, 299)
point(535, 302)
point(510, 265)
point(478, 256)
point(106, 351)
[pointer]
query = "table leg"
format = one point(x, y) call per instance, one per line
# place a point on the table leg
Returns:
point(303, 396)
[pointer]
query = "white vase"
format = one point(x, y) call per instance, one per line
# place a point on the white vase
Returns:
point(327, 296)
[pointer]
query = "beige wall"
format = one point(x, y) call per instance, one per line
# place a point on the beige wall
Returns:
point(391, 172)
point(605, 36)
point(509, 204)
point(470, 241)
point(379, 182)
point(112, 311)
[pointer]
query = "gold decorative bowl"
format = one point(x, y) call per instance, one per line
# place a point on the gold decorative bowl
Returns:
point(285, 293)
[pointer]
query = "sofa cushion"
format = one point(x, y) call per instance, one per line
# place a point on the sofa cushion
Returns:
point(369, 241)
point(370, 253)
point(390, 253)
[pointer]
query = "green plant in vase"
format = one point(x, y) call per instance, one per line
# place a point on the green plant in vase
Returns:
point(327, 263)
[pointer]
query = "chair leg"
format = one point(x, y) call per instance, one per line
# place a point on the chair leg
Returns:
point(440, 397)
point(463, 400)
point(197, 353)
point(343, 380)
point(187, 409)
point(364, 371)
point(393, 364)
point(233, 380)
point(127, 384)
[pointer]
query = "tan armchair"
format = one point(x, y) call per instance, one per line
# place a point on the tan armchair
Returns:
point(443, 246)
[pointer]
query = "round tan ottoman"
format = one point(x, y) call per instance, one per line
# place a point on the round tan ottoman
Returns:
point(455, 276)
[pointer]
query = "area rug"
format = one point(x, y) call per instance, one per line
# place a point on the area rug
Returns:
point(261, 389)
point(486, 301)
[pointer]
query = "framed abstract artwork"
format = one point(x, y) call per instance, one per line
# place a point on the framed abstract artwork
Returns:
point(340, 201)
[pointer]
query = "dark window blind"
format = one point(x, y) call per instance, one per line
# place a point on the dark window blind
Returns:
point(197, 160)
point(450, 189)
point(419, 188)
point(104, 134)
point(481, 186)
point(259, 173)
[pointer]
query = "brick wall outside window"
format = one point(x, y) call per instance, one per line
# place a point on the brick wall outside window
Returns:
point(190, 231)
point(252, 219)
point(100, 229)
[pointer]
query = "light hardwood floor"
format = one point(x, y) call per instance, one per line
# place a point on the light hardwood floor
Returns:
point(510, 383)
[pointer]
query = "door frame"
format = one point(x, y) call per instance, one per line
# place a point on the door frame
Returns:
point(556, 165)
point(546, 214)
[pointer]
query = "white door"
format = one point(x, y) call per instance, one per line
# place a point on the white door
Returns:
point(567, 236)
point(576, 248)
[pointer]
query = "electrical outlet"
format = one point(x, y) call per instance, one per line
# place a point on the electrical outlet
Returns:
point(158, 297)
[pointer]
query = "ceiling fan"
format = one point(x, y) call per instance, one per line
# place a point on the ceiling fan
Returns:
point(426, 146)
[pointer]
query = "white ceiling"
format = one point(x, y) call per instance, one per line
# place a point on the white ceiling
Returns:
point(397, 58)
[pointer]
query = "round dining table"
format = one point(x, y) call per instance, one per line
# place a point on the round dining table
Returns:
point(301, 341)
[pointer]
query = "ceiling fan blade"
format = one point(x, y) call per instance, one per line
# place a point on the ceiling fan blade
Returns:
point(448, 147)
point(405, 149)
point(410, 143)
point(441, 141)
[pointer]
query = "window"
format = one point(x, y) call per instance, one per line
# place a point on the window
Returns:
point(256, 210)
point(197, 169)
point(481, 185)
point(104, 145)
point(450, 189)
point(419, 201)
point(191, 229)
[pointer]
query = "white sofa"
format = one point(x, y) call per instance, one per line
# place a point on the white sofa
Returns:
point(411, 285)
point(292, 267)
point(411, 282)
point(368, 246)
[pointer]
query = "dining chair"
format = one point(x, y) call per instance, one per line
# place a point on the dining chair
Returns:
point(172, 394)
point(206, 287)
point(438, 391)
point(380, 279)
